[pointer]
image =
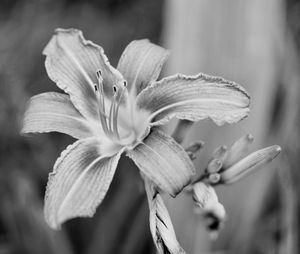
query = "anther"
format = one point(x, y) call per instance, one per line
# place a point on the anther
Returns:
point(115, 89)
point(96, 88)
point(99, 74)
point(125, 83)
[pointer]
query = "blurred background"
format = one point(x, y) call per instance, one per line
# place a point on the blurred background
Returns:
point(253, 42)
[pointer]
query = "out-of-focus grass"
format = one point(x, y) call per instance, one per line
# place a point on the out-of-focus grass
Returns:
point(25, 28)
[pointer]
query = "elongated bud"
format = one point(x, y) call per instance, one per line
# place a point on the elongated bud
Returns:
point(220, 153)
point(250, 164)
point(238, 150)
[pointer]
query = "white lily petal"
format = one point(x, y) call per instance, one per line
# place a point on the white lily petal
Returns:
point(164, 161)
point(79, 182)
point(72, 62)
point(194, 98)
point(52, 111)
point(249, 164)
point(161, 226)
point(141, 63)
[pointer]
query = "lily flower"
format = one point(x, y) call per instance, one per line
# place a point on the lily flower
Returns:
point(113, 111)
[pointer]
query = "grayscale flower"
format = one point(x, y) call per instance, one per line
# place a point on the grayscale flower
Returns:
point(112, 111)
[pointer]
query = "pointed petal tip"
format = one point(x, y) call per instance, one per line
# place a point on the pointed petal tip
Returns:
point(278, 148)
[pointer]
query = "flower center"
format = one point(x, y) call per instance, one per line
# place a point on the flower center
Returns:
point(120, 127)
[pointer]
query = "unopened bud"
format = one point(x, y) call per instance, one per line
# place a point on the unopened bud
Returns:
point(249, 164)
point(214, 178)
point(238, 150)
point(214, 166)
point(220, 153)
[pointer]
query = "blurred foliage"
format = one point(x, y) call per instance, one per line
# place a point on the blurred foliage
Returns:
point(25, 29)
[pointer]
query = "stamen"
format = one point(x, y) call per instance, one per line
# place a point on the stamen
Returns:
point(111, 114)
point(116, 112)
point(101, 104)
point(99, 74)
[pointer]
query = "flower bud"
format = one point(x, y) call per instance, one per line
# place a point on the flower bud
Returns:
point(238, 150)
point(214, 178)
point(214, 166)
point(249, 164)
point(220, 153)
